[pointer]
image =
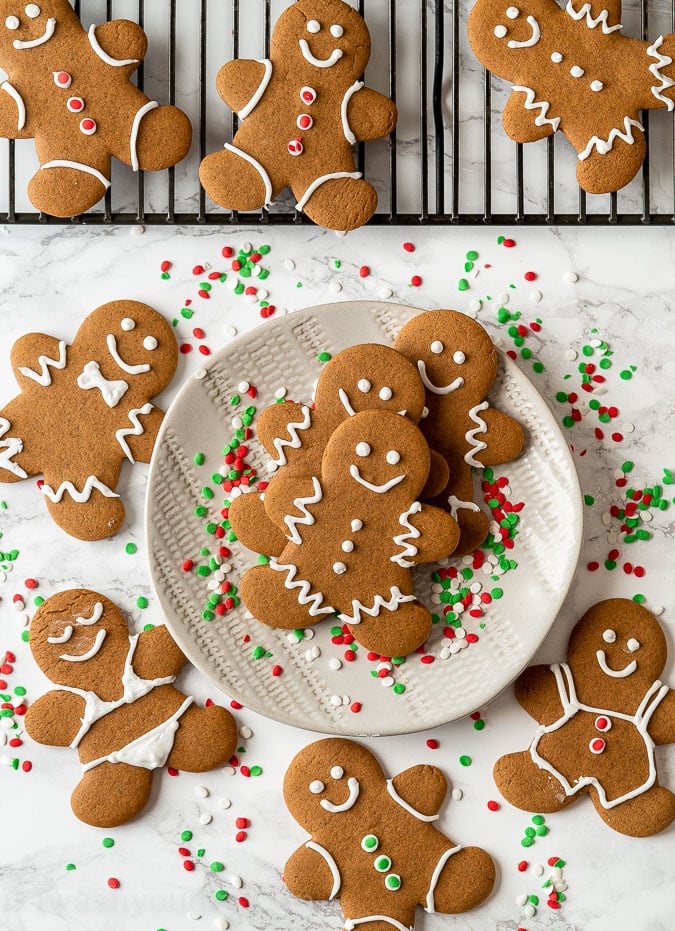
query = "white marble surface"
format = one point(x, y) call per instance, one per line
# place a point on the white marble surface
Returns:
point(49, 280)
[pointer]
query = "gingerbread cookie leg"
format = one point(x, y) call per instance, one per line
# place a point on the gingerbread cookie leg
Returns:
point(600, 170)
point(87, 508)
point(526, 786)
point(410, 631)
point(339, 201)
point(67, 181)
point(237, 179)
point(647, 814)
point(160, 137)
point(206, 738)
point(450, 894)
point(280, 599)
point(111, 793)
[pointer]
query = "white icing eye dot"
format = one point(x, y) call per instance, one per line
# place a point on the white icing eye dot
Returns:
point(513, 12)
point(556, 58)
point(576, 71)
point(32, 10)
point(459, 357)
point(313, 26)
point(128, 324)
point(337, 31)
point(609, 636)
point(337, 772)
point(150, 343)
point(316, 787)
point(633, 645)
point(500, 31)
point(393, 457)
point(436, 347)
point(356, 525)
point(12, 22)
point(362, 449)
point(364, 385)
point(386, 394)
point(597, 86)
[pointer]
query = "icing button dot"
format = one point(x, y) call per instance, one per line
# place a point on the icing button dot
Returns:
point(459, 358)
point(603, 724)
point(347, 546)
point(32, 10)
point(12, 22)
point(304, 121)
point(337, 31)
point(576, 71)
point(597, 86)
point(128, 324)
point(556, 58)
point(597, 745)
point(75, 104)
point(392, 882)
point(386, 394)
point(633, 645)
point(150, 343)
point(337, 772)
point(62, 79)
point(316, 787)
point(307, 94)
point(370, 843)
point(339, 568)
point(393, 456)
point(364, 385)
point(436, 347)
point(295, 147)
point(500, 31)
point(513, 12)
point(362, 449)
point(313, 26)
point(88, 126)
point(356, 525)
point(382, 864)
point(609, 636)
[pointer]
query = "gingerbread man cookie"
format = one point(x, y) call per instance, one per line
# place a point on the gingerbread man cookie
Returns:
point(458, 365)
point(84, 409)
point(353, 534)
point(69, 89)
point(573, 71)
point(117, 706)
point(374, 844)
point(302, 110)
point(601, 715)
point(363, 377)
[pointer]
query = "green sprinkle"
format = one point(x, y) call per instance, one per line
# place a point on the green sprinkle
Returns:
point(496, 593)
point(465, 760)
point(186, 835)
point(141, 602)
point(130, 548)
point(471, 255)
point(399, 688)
point(199, 458)
point(479, 724)
point(324, 357)
point(626, 374)
point(201, 852)
point(337, 263)
point(462, 285)
point(640, 599)
point(108, 842)
point(186, 313)
point(70, 866)
point(216, 866)
point(255, 771)
point(25, 636)
point(258, 652)
point(220, 895)
point(627, 466)
point(538, 367)
point(148, 627)
point(587, 350)
point(589, 500)
point(205, 285)
point(538, 819)
point(533, 899)
point(610, 564)
point(527, 842)
point(468, 266)
point(165, 276)
point(530, 832)
point(264, 250)
point(38, 601)
point(542, 830)
point(207, 492)
point(503, 315)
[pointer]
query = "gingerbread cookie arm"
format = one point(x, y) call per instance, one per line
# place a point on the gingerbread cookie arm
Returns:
point(438, 534)
point(282, 427)
point(603, 13)
point(157, 654)
point(527, 120)
point(120, 44)
point(536, 690)
point(601, 171)
point(241, 84)
point(286, 501)
point(370, 115)
point(137, 437)
point(439, 476)
point(662, 724)
point(253, 528)
point(15, 463)
point(503, 438)
point(420, 788)
point(36, 357)
point(312, 874)
point(55, 718)
point(14, 119)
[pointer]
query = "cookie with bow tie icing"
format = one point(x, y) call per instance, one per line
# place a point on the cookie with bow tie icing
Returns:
point(574, 71)
point(458, 365)
point(362, 377)
point(601, 715)
point(115, 703)
point(84, 409)
point(353, 532)
point(70, 90)
point(301, 111)
point(374, 843)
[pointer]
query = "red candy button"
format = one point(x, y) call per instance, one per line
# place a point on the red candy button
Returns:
point(597, 745)
point(602, 723)
point(62, 79)
point(88, 126)
point(75, 104)
point(295, 147)
point(305, 121)
point(307, 94)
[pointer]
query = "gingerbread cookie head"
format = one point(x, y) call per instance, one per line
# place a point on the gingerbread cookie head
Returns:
point(506, 29)
point(25, 27)
point(326, 40)
point(370, 377)
point(616, 652)
point(131, 343)
point(79, 639)
point(377, 458)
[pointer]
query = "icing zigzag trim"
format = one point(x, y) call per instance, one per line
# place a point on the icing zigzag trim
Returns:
point(292, 522)
point(396, 598)
point(78, 496)
point(476, 444)
point(403, 539)
point(543, 105)
point(10, 448)
point(601, 19)
point(605, 145)
point(44, 377)
point(655, 68)
point(295, 442)
point(304, 598)
point(137, 429)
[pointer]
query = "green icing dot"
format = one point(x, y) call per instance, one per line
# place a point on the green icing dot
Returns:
point(382, 864)
point(392, 882)
point(370, 842)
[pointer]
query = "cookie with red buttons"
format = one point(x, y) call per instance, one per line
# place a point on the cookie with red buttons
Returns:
point(301, 111)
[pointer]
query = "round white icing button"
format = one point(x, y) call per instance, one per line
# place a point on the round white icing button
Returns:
point(347, 546)
point(513, 12)
point(339, 568)
point(316, 787)
point(356, 525)
point(304, 121)
point(128, 324)
point(597, 86)
point(150, 343)
point(307, 94)
point(88, 126)
point(75, 104)
point(576, 71)
point(295, 147)
point(62, 79)
point(32, 10)
point(556, 58)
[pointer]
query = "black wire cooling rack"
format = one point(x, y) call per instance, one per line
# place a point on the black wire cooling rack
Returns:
point(448, 162)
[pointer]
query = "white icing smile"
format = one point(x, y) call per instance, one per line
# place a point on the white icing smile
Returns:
point(445, 389)
point(354, 789)
point(380, 489)
point(332, 59)
point(534, 38)
point(92, 651)
point(346, 403)
point(615, 673)
point(125, 366)
point(45, 37)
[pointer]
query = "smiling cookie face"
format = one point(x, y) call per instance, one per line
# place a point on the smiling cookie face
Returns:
point(370, 377)
point(377, 453)
point(26, 26)
point(322, 37)
point(617, 648)
point(79, 638)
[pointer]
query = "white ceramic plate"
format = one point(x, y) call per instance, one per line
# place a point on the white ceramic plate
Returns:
point(309, 693)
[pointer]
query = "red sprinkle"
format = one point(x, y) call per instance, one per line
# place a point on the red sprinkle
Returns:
point(242, 822)
point(355, 707)
point(593, 566)
point(266, 312)
point(240, 836)
point(185, 348)
point(213, 276)
point(204, 294)
point(188, 865)
point(492, 805)
point(508, 243)
point(26, 766)
point(349, 656)
point(171, 771)
point(277, 670)
point(427, 659)
point(198, 270)
point(187, 565)
point(416, 281)
point(552, 861)
point(205, 351)
point(530, 276)
point(113, 883)
point(364, 271)
point(183, 851)
point(243, 901)
point(522, 866)
point(165, 266)
point(245, 771)
point(432, 744)
point(409, 247)
point(198, 333)
point(227, 252)
point(31, 583)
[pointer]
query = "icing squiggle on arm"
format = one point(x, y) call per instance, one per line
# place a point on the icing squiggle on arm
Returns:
point(481, 427)
point(662, 61)
point(543, 105)
point(43, 377)
point(332, 866)
point(18, 100)
point(295, 442)
point(262, 87)
point(307, 519)
point(604, 146)
point(136, 430)
point(600, 19)
point(430, 906)
point(108, 59)
point(404, 539)
point(79, 496)
point(9, 448)
point(346, 128)
point(396, 598)
point(304, 598)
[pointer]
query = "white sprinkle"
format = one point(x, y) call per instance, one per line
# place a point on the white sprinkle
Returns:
point(646, 516)
point(658, 610)
point(289, 265)
point(606, 519)
point(271, 466)
point(475, 305)
point(385, 293)
point(137, 230)
point(205, 818)
point(612, 538)
point(596, 343)
point(346, 700)
point(256, 271)
point(243, 387)
point(335, 287)
point(538, 870)
point(445, 653)
point(200, 373)
point(280, 393)
point(291, 638)
point(309, 633)
point(475, 587)
point(336, 701)
point(572, 277)
point(19, 605)
point(312, 654)
point(237, 881)
point(628, 427)
point(237, 423)
point(245, 732)
point(457, 794)
point(618, 473)
point(222, 924)
point(387, 682)
point(262, 294)
point(435, 599)
point(215, 583)
point(529, 911)
point(194, 916)
point(535, 296)
point(522, 899)
point(335, 663)
point(246, 247)
point(225, 803)
point(251, 299)
point(229, 770)
point(232, 282)
point(504, 298)
point(571, 355)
